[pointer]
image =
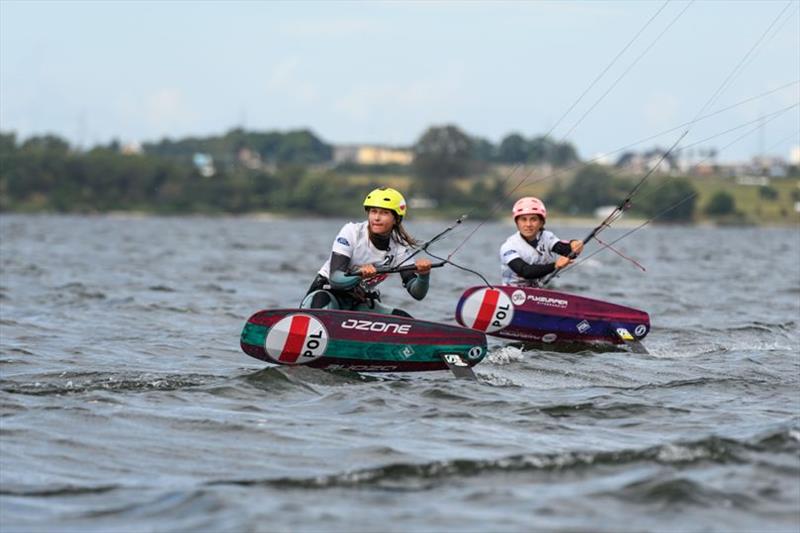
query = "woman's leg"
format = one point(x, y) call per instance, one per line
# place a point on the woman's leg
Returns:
point(377, 307)
point(320, 300)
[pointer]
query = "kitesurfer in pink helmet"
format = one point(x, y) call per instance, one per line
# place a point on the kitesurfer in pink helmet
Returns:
point(533, 252)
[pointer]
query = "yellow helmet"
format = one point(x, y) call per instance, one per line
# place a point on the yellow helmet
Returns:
point(386, 198)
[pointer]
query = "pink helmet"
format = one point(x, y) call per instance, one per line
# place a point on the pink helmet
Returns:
point(529, 206)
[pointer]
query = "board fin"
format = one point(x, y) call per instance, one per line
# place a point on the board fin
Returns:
point(630, 341)
point(458, 366)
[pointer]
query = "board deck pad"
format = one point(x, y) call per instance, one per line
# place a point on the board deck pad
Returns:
point(547, 316)
point(358, 341)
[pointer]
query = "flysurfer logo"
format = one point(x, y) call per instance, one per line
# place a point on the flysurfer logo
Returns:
point(518, 297)
point(549, 302)
point(381, 327)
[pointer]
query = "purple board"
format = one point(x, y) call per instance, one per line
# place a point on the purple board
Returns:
point(357, 341)
point(542, 315)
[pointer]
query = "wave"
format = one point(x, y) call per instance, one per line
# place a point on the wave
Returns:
point(81, 382)
point(77, 290)
point(409, 475)
point(694, 382)
point(614, 410)
point(270, 379)
point(161, 288)
point(664, 489)
point(59, 490)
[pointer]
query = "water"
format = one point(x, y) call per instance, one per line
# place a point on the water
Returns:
point(127, 404)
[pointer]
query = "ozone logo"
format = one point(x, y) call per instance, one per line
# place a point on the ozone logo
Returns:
point(296, 339)
point(368, 325)
point(640, 330)
point(549, 337)
point(487, 310)
point(475, 352)
point(518, 297)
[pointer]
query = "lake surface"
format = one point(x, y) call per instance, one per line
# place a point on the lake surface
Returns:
point(126, 403)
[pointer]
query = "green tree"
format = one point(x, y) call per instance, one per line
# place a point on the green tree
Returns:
point(483, 150)
point(46, 143)
point(768, 192)
point(563, 154)
point(8, 143)
point(721, 203)
point(592, 187)
point(539, 150)
point(442, 154)
point(513, 149)
point(670, 200)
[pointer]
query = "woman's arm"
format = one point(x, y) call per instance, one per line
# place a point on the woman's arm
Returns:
point(565, 248)
point(339, 278)
point(528, 271)
point(416, 283)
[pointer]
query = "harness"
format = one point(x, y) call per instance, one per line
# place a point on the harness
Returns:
point(350, 299)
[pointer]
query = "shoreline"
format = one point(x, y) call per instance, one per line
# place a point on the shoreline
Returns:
point(266, 216)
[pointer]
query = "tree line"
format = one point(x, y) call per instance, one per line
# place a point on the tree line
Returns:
point(45, 173)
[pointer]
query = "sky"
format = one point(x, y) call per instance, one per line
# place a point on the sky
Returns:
point(600, 74)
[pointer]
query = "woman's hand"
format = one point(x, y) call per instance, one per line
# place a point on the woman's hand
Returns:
point(367, 271)
point(423, 266)
point(576, 247)
point(563, 261)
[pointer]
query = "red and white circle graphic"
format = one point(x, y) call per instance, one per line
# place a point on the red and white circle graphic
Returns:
point(487, 310)
point(296, 339)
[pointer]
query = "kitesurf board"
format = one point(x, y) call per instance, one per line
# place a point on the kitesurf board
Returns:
point(546, 316)
point(367, 342)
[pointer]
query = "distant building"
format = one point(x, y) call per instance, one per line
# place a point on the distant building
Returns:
point(422, 202)
point(639, 163)
point(249, 158)
point(131, 148)
point(204, 164)
point(794, 155)
point(602, 159)
point(372, 155)
point(774, 167)
point(754, 181)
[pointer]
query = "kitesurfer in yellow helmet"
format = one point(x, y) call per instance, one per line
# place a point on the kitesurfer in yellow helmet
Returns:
point(349, 278)
point(533, 252)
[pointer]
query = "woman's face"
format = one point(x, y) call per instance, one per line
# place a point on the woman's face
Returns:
point(529, 225)
point(381, 221)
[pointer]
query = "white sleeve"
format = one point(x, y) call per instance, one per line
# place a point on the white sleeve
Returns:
point(345, 241)
point(550, 240)
point(400, 253)
point(508, 253)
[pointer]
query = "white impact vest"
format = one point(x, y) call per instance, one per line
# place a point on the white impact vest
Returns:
point(516, 246)
point(353, 242)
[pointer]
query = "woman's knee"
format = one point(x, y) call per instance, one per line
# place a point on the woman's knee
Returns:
point(319, 300)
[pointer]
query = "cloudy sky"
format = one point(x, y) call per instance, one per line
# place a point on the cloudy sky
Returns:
point(382, 72)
